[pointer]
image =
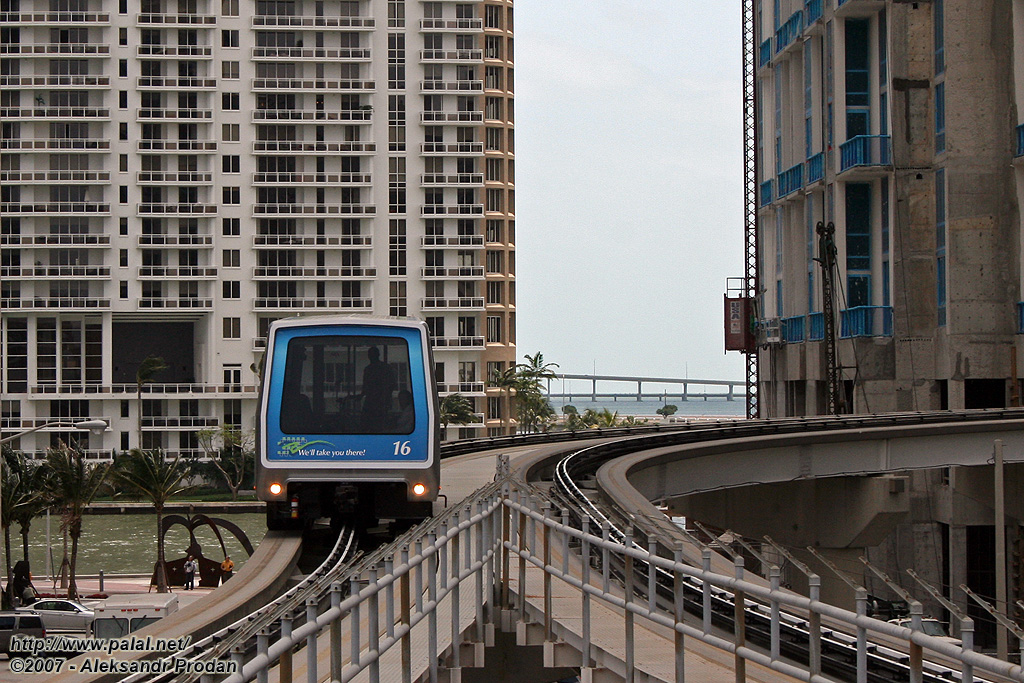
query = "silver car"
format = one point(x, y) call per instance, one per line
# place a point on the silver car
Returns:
point(61, 615)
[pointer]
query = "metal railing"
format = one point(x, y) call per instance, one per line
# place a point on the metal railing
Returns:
point(789, 31)
point(791, 180)
point(866, 321)
point(865, 150)
point(793, 329)
point(812, 11)
point(1020, 140)
point(816, 168)
point(766, 193)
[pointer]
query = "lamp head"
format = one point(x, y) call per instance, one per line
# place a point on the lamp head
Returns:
point(97, 427)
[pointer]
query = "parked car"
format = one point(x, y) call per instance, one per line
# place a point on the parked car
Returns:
point(14, 623)
point(61, 615)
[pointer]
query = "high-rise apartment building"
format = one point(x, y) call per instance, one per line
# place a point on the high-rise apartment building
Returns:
point(176, 174)
point(897, 123)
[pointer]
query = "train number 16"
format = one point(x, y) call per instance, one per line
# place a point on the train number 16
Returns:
point(403, 448)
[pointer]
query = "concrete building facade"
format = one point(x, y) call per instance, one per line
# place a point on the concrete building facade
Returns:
point(177, 174)
point(899, 124)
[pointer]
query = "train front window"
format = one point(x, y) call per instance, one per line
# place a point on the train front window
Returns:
point(347, 385)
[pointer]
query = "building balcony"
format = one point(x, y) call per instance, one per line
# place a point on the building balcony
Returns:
point(452, 241)
point(51, 49)
point(150, 390)
point(56, 240)
point(22, 423)
point(765, 194)
point(312, 84)
point(314, 179)
point(315, 116)
point(300, 304)
point(312, 241)
point(870, 152)
point(452, 272)
point(55, 19)
point(457, 342)
point(63, 177)
point(174, 51)
point(793, 329)
point(174, 177)
point(177, 145)
point(181, 423)
point(176, 209)
point(452, 210)
point(168, 303)
point(148, 114)
point(314, 210)
point(58, 82)
point(66, 303)
point(764, 53)
point(56, 144)
point(1020, 141)
point(451, 86)
point(866, 321)
point(313, 273)
point(789, 31)
point(178, 272)
point(175, 241)
point(466, 303)
point(816, 168)
point(162, 19)
point(54, 209)
point(319, 23)
point(812, 11)
point(462, 388)
point(451, 56)
point(298, 54)
point(815, 326)
point(55, 113)
point(791, 180)
point(455, 25)
point(302, 147)
point(858, 8)
point(452, 148)
point(175, 83)
point(55, 272)
point(463, 117)
point(456, 180)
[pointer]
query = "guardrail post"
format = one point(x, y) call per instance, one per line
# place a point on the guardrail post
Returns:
point(420, 569)
point(432, 569)
point(546, 536)
point(285, 662)
point(405, 599)
point(814, 625)
point(520, 546)
point(101, 581)
point(630, 579)
point(336, 663)
point(585, 611)
point(506, 539)
point(456, 597)
point(565, 541)
point(678, 604)
point(775, 576)
point(705, 591)
point(238, 657)
point(481, 597)
point(605, 571)
point(389, 598)
point(967, 643)
point(739, 623)
point(915, 650)
point(652, 577)
point(862, 637)
point(262, 645)
point(354, 619)
point(311, 674)
point(373, 628)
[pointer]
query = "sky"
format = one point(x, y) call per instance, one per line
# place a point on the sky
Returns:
point(629, 194)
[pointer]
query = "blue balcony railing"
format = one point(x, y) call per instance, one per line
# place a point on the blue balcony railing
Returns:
point(789, 31)
point(866, 321)
point(865, 150)
point(1020, 317)
point(812, 11)
point(791, 180)
point(765, 53)
point(766, 193)
point(816, 168)
point(1020, 140)
point(815, 326)
point(793, 329)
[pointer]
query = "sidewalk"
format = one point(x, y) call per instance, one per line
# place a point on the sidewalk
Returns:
point(119, 584)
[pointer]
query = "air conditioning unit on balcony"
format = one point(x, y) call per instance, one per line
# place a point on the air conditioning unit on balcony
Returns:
point(770, 331)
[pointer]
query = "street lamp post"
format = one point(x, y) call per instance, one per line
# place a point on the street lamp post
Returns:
point(94, 426)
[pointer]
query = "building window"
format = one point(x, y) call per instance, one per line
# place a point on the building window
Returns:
point(122, 68)
point(495, 230)
point(940, 118)
point(124, 289)
point(231, 227)
point(496, 292)
point(231, 163)
point(397, 246)
point(858, 96)
point(858, 244)
point(232, 289)
point(229, 38)
point(122, 36)
point(232, 258)
point(229, 101)
point(229, 8)
point(230, 70)
point(494, 329)
point(229, 132)
point(495, 261)
point(232, 195)
point(122, 129)
point(397, 301)
point(122, 192)
point(122, 99)
point(232, 330)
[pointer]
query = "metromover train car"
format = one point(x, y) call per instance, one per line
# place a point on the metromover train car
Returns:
point(347, 427)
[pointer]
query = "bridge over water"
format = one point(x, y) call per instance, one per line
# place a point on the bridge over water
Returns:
point(664, 388)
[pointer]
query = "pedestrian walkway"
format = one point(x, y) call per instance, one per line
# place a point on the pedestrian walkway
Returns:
point(118, 584)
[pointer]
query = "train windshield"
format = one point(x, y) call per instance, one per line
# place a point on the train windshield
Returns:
point(347, 385)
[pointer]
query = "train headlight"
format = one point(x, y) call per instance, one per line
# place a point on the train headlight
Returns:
point(419, 489)
point(275, 489)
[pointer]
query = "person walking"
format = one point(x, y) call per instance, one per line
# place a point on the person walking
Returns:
point(190, 573)
point(227, 568)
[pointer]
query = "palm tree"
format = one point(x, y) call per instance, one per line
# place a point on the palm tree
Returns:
point(72, 485)
point(144, 375)
point(456, 409)
point(149, 474)
point(31, 501)
point(535, 368)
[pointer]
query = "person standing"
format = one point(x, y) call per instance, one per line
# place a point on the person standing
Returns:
point(190, 573)
point(227, 568)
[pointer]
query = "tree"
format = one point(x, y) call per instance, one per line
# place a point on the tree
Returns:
point(569, 409)
point(149, 474)
point(506, 380)
point(535, 368)
point(669, 409)
point(456, 409)
point(533, 407)
point(72, 485)
point(144, 375)
point(602, 418)
point(231, 451)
